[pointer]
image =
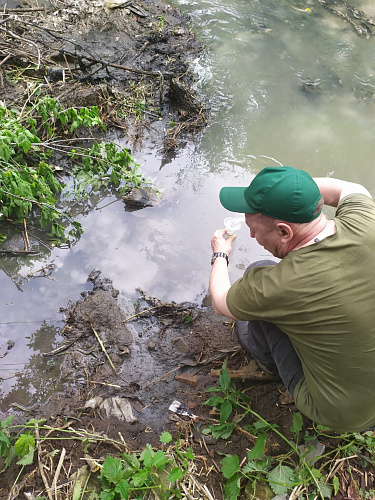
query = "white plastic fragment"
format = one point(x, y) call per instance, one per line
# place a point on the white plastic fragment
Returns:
point(114, 407)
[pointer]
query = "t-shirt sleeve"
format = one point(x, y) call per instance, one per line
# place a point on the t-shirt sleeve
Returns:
point(354, 205)
point(247, 298)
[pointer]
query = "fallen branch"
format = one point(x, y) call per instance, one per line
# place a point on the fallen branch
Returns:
point(62, 348)
point(247, 373)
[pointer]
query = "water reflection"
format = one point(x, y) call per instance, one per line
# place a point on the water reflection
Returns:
point(27, 383)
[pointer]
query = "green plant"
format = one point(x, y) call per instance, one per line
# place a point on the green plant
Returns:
point(231, 399)
point(20, 446)
point(294, 470)
point(162, 21)
point(103, 163)
point(134, 476)
point(28, 185)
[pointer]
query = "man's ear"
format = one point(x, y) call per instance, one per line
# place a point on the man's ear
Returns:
point(285, 231)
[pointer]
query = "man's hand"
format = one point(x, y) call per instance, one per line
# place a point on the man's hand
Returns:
point(221, 244)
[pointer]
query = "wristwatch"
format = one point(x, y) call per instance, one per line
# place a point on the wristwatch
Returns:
point(215, 255)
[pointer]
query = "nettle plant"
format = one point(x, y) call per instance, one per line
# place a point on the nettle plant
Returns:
point(28, 185)
point(136, 475)
point(305, 469)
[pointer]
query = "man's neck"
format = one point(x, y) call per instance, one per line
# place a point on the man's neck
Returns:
point(311, 233)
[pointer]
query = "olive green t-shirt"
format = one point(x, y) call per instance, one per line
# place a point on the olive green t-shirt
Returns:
point(323, 297)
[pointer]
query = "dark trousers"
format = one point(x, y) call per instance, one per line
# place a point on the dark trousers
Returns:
point(270, 346)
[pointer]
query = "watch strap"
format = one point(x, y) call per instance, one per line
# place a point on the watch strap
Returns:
point(215, 255)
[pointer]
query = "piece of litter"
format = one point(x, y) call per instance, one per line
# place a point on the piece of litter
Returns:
point(181, 410)
point(114, 407)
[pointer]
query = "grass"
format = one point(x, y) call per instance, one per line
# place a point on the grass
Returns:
point(316, 463)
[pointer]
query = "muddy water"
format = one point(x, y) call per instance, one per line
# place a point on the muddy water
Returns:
point(286, 86)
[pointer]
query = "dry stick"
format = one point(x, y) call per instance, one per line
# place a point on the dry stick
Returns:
point(48, 489)
point(62, 348)
point(20, 11)
point(24, 40)
point(103, 348)
point(5, 59)
point(104, 383)
point(57, 473)
point(161, 378)
point(141, 312)
point(27, 245)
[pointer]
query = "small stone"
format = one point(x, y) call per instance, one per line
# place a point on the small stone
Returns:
point(187, 378)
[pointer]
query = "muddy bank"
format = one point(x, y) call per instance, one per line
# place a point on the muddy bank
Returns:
point(124, 364)
point(132, 61)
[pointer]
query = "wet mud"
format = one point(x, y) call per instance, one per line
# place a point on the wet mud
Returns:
point(126, 364)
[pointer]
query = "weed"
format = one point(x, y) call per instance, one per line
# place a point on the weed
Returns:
point(129, 475)
point(305, 469)
point(28, 185)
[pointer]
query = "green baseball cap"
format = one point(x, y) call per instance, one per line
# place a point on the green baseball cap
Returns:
point(283, 193)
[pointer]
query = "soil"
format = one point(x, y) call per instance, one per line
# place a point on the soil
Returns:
point(125, 363)
point(148, 356)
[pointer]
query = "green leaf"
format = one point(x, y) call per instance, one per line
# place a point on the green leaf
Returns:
point(257, 466)
point(5, 152)
point(6, 422)
point(258, 449)
point(224, 378)
point(160, 460)
point(280, 479)
point(214, 401)
point(24, 444)
point(107, 494)
point(28, 458)
point(336, 485)
point(4, 438)
point(225, 411)
point(140, 478)
point(297, 423)
point(123, 488)
point(112, 469)
point(316, 473)
point(325, 490)
point(223, 431)
point(175, 474)
point(147, 456)
point(166, 437)
point(230, 465)
point(132, 460)
point(232, 488)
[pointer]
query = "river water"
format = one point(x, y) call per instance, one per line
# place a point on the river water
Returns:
point(286, 86)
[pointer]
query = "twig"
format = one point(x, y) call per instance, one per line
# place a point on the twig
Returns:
point(39, 448)
point(27, 242)
point(105, 383)
point(24, 40)
point(62, 348)
point(141, 312)
point(57, 473)
point(161, 378)
point(13, 375)
point(103, 348)
point(5, 59)
point(249, 436)
point(20, 10)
